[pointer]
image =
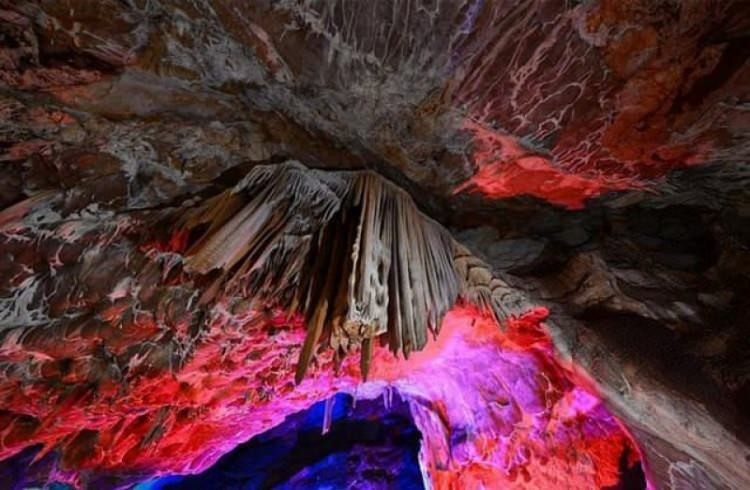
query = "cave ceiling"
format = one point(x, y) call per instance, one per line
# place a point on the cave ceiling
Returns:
point(527, 220)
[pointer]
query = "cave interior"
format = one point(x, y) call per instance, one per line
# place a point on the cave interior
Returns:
point(393, 244)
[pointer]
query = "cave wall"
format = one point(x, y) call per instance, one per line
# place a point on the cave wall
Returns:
point(594, 153)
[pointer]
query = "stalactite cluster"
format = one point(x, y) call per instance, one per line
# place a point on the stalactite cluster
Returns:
point(349, 251)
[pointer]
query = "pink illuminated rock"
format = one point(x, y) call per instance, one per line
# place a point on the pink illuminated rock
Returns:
point(491, 406)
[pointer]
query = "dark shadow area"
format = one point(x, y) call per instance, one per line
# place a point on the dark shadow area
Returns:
point(367, 447)
point(631, 476)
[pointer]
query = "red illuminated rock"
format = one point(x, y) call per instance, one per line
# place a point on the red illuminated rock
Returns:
point(594, 154)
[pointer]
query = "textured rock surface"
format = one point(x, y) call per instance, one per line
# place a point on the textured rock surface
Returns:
point(367, 445)
point(492, 409)
point(594, 153)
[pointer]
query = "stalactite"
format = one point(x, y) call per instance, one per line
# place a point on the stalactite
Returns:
point(349, 251)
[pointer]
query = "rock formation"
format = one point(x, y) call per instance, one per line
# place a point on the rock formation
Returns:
point(206, 205)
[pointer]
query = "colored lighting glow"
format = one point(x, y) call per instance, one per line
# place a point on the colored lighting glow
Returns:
point(370, 445)
point(494, 408)
point(505, 169)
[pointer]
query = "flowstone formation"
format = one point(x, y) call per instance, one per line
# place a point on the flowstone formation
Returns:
point(215, 214)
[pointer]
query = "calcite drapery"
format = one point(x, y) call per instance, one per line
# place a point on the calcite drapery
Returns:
point(348, 250)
